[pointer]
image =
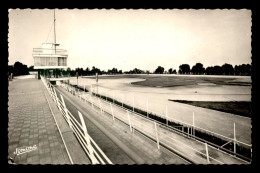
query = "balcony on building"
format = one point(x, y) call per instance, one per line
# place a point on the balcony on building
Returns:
point(49, 57)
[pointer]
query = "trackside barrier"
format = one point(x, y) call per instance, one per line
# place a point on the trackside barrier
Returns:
point(190, 128)
point(151, 129)
point(94, 153)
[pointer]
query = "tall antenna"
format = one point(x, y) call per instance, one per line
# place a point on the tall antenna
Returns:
point(54, 33)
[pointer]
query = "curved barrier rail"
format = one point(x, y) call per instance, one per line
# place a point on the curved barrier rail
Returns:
point(220, 141)
point(94, 153)
point(151, 129)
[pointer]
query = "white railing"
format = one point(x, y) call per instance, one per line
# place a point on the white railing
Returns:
point(191, 128)
point(95, 154)
point(45, 51)
point(149, 128)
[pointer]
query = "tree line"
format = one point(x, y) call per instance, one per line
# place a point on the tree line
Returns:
point(226, 69)
point(18, 69)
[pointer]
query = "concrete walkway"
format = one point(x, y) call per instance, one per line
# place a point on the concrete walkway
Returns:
point(34, 137)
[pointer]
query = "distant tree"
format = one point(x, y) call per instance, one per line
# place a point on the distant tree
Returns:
point(72, 73)
point(184, 69)
point(170, 70)
point(209, 70)
point(243, 69)
point(114, 71)
point(238, 70)
point(248, 69)
point(80, 71)
point(10, 69)
point(198, 69)
point(159, 70)
point(68, 70)
point(103, 72)
point(135, 71)
point(31, 68)
point(217, 70)
point(64, 72)
point(174, 71)
point(227, 69)
point(20, 69)
point(95, 70)
point(87, 71)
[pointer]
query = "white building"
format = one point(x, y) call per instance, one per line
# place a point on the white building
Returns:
point(48, 57)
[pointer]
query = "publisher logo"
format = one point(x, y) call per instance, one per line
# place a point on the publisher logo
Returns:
point(23, 150)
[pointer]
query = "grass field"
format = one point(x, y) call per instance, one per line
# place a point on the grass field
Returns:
point(238, 108)
point(179, 80)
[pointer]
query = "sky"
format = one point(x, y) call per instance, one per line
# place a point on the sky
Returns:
point(128, 39)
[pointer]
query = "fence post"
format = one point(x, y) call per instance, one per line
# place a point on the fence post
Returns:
point(156, 133)
point(112, 112)
point(235, 138)
point(130, 125)
point(90, 148)
point(207, 152)
point(66, 111)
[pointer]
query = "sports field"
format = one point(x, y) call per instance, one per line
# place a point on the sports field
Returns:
point(155, 92)
point(236, 83)
point(153, 80)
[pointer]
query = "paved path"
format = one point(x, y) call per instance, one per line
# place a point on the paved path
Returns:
point(31, 123)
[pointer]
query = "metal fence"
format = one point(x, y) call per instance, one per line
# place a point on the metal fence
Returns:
point(94, 153)
point(191, 128)
point(152, 129)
